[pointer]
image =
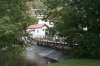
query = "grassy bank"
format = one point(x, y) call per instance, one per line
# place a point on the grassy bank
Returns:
point(77, 62)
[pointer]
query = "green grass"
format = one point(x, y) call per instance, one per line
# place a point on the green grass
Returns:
point(77, 62)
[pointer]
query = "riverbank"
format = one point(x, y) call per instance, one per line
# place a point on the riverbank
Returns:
point(77, 62)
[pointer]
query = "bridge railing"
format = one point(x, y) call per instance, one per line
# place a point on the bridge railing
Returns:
point(53, 39)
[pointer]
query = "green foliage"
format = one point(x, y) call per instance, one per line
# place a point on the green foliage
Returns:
point(38, 5)
point(70, 17)
point(50, 31)
point(13, 24)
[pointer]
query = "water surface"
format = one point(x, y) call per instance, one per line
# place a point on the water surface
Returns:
point(29, 58)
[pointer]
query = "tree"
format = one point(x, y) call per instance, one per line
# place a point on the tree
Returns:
point(38, 4)
point(13, 24)
point(71, 17)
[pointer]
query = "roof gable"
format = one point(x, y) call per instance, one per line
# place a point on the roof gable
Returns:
point(35, 26)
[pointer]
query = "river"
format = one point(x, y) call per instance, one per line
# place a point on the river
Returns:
point(29, 58)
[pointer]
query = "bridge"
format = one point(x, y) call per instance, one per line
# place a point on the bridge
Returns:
point(52, 42)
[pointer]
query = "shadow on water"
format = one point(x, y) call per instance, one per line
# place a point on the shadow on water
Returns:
point(29, 58)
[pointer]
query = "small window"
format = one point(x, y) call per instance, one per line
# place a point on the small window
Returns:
point(43, 29)
point(37, 31)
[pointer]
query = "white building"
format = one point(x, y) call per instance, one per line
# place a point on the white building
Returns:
point(38, 30)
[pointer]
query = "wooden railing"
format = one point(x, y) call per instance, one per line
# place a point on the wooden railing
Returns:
point(52, 41)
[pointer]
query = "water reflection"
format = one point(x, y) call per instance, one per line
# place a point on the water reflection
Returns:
point(30, 58)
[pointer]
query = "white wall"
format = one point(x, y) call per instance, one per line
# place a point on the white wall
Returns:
point(37, 33)
point(50, 24)
point(41, 31)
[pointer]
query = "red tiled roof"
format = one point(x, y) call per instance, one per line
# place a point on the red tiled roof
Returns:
point(35, 26)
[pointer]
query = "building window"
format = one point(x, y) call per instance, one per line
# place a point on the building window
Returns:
point(43, 29)
point(37, 31)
